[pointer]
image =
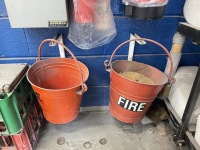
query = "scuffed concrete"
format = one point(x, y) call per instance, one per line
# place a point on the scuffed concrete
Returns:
point(100, 131)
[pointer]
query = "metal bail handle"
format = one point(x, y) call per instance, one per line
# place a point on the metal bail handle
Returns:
point(83, 85)
point(108, 63)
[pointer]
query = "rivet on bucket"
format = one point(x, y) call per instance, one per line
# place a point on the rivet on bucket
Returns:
point(129, 100)
point(59, 84)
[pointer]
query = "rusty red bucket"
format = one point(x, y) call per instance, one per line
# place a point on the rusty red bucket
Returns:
point(129, 100)
point(59, 84)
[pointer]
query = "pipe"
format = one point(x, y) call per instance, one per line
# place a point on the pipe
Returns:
point(176, 50)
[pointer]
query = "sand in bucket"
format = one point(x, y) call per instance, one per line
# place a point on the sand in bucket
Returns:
point(137, 77)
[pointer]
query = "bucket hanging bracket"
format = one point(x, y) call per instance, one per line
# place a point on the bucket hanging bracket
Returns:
point(132, 45)
point(59, 38)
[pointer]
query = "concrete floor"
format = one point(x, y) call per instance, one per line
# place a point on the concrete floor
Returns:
point(100, 131)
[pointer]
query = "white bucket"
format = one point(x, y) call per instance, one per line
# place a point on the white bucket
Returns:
point(192, 13)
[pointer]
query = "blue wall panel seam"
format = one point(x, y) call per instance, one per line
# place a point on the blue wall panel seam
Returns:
point(3, 18)
point(166, 16)
point(26, 41)
point(173, 16)
point(100, 56)
point(105, 86)
point(124, 16)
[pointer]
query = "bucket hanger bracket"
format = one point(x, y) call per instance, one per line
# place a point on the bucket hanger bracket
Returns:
point(83, 90)
point(59, 38)
point(107, 66)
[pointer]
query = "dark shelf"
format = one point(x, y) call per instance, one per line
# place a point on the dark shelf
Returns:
point(145, 12)
point(189, 31)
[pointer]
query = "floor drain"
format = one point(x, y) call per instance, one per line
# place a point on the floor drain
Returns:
point(103, 141)
point(87, 144)
point(61, 141)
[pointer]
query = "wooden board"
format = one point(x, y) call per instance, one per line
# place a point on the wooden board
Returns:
point(10, 75)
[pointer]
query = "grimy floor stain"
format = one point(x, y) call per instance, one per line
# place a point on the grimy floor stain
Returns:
point(100, 131)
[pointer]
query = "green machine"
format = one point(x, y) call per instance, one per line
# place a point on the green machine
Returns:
point(16, 98)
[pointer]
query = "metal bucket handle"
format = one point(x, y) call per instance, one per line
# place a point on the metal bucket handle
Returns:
point(84, 86)
point(107, 64)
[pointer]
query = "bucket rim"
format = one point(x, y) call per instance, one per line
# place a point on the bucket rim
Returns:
point(45, 89)
point(138, 82)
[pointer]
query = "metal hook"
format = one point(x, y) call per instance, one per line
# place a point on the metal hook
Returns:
point(55, 38)
point(59, 38)
point(107, 67)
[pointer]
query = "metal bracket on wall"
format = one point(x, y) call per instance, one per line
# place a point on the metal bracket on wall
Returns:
point(59, 38)
point(132, 45)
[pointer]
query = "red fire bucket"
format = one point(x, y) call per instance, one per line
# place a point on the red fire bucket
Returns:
point(129, 100)
point(59, 84)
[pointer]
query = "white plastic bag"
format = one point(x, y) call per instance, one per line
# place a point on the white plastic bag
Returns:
point(146, 3)
point(92, 24)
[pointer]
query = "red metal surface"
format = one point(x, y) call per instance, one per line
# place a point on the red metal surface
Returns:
point(59, 84)
point(130, 100)
point(27, 139)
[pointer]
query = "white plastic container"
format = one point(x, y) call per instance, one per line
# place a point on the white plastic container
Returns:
point(180, 92)
point(197, 133)
point(192, 13)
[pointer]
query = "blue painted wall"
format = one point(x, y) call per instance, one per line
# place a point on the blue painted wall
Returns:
point(20, 45)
